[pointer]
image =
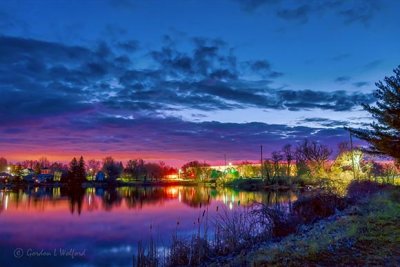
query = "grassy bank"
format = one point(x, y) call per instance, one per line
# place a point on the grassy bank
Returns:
point(366, 233)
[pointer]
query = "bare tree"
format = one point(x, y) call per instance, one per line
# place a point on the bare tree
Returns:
point(277, 157)
point(289, 156)
point(314, 155)
point(44, 162)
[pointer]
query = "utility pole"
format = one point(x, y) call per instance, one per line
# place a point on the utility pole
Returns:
point(352, 156)
point(261, 161)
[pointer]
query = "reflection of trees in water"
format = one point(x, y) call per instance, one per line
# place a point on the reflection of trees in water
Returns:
point(3, 200)
point(39, 197)
point(232, 197)
point(196, 196)
point(279, 199)
point(111, 198)
point(137, 197)
point(30, 196)
point(91, 199)
point(75, 195)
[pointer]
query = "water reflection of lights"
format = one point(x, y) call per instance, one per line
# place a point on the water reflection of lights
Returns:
point(120, 249)
point(180, 196)
point(230, 206)
point(173, 191)
point(6, 203)
point(56, 192)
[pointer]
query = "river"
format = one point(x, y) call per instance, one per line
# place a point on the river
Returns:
point(53, 226)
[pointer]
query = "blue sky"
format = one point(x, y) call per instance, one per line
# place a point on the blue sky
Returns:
point(280, 70)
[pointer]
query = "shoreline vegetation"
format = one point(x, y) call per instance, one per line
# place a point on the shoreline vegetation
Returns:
point(357, 229)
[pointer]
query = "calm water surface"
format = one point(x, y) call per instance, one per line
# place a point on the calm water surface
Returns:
point(102, 227)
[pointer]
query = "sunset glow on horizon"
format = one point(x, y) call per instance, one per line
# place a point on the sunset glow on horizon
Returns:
point(162, 87)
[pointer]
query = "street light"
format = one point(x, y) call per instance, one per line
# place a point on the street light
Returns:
point(179, 173)
point(8, 169)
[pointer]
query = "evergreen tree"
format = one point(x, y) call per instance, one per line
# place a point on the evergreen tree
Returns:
point(73, 171)
point(384, 132)
point(81, 170)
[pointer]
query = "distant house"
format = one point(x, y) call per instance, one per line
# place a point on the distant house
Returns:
point(45, 171)
point(100, 176)
point(41, 178)
point(57, 176)
point(29, 178)
point(27, 171)
point(4, 176)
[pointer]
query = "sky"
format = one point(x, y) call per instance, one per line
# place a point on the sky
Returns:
point(188, 80)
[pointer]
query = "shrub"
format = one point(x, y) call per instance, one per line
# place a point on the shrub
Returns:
point(310, 209)
point(361, 189)
point(279, 224)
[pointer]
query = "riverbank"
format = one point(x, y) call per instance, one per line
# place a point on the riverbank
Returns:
point(365, 233)
point(257, 184)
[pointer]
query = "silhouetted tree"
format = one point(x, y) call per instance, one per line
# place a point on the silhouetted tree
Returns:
point(93, 164)
point(276, 157)
point(384, 132)
point(17, 170)
point(112, 169)
point(44, 162)
point(194, 169)
point(37, 168)
point(289, 156)
point(28, 164)
point(58, 166)
point(76, 172)
point(135, 169)
point(268, 169)
point(154, 170)
point(81, 169)
point(3, 164)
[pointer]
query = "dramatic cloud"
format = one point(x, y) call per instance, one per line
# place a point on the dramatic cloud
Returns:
point(361, 11)
point(41, 78)
point(323, 122)
point(102, 99)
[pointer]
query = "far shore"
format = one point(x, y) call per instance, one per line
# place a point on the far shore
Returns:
point(250, 184)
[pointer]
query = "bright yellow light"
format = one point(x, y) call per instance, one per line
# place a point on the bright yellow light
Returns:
point(172, 191)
